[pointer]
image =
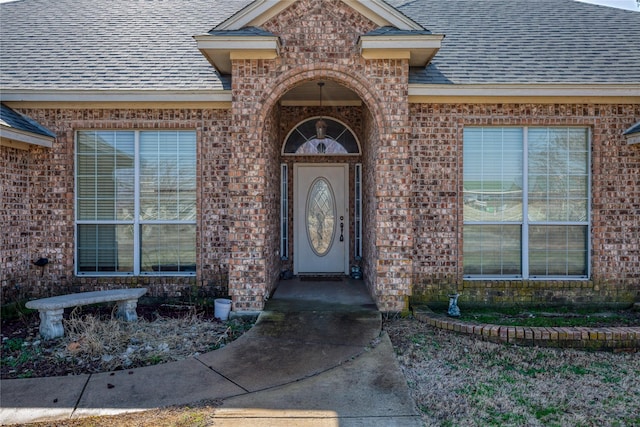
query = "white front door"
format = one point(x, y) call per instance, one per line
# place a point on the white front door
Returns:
point(321, 219)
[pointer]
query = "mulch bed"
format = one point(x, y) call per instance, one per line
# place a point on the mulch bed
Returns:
point(164, 333)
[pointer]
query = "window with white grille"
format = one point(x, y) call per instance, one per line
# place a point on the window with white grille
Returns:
point(135, 202)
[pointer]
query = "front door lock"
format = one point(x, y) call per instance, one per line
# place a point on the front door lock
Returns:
point(341, 229)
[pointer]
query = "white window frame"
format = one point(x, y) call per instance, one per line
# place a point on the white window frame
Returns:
point(526, 223)
point(296, 131)
point(357, 212)
point(136, 222)
point(284, 212)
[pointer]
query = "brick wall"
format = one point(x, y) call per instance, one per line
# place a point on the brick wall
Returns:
point(37, 184)
point(214, 153)
point(273, 192)
point(369, 203)
point(318, 43)
point(437, 176)
point(319, 31)
point(16, 251)
point(38, 203)
point(394, 239)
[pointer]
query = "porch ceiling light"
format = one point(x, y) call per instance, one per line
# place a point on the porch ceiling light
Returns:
point(321, 125)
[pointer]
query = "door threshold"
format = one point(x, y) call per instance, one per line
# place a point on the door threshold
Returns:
point(321, 277)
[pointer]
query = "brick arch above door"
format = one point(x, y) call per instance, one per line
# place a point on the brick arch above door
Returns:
point(271, 94)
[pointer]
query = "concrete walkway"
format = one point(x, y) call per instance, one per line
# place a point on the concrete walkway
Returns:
point(316, 357)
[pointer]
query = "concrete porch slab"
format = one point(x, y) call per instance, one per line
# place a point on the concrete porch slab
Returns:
point(337, 328)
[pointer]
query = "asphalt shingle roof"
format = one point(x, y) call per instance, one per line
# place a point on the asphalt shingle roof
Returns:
point(392, 31)
point(148, 45)
point(247, 31)
point(15, 120)
point(527, 41)
point(109, 44)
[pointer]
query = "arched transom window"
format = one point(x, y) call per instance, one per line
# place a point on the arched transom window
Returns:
point(321, 136)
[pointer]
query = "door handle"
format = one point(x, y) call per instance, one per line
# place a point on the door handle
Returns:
point(341, 229)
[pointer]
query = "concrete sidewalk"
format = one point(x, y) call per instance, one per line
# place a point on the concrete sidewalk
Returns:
point(315, 357)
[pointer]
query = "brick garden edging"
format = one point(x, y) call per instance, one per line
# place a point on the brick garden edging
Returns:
point(613, 338)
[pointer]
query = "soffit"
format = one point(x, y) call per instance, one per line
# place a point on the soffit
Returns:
point(220, 47)
point(418, 46)
point(308, 94)
point(518, 93)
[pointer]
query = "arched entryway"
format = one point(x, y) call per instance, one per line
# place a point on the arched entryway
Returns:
point(321, 189)
point(257, 209)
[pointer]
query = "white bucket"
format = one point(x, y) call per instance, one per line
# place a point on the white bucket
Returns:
point(222, 308)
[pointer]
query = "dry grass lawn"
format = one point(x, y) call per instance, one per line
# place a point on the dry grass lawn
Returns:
point(456, 380)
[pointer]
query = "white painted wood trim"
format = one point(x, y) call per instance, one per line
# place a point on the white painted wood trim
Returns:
point(23, 95)
point(10, 137)
point(503, 90)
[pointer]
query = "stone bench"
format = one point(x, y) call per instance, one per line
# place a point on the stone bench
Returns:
point(52, 309)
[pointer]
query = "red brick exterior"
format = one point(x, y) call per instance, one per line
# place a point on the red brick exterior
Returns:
point(322, 46)
point(611, 338)
point(615, 204)
point(38, 202)
point(18, 234)
point(412, 181)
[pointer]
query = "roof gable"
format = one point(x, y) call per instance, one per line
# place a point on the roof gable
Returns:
point(260, 11)
point(251, 32)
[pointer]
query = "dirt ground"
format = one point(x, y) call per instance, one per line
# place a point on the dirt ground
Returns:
point(455, 380)
point(95, 341)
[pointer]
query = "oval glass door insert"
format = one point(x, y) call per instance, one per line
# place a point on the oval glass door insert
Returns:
point(320, 216)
